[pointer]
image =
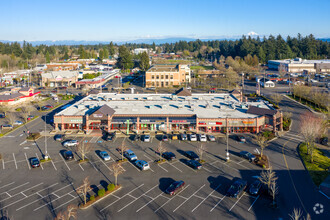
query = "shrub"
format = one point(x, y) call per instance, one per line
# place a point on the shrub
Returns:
point(33, 136)
point(111, 187)
point(92, 198)
point(101, 192)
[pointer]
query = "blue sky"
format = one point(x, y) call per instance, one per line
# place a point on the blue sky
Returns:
point(125, 20)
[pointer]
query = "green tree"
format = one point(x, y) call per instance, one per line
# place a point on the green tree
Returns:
point(111, 49)
point(144, 61)
point(47, 57)
point(105, 53)
point(81, 52)
point(125, 60)
point(66, 56)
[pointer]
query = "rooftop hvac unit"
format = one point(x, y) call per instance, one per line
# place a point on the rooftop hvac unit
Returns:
point(126, 98)
point(180, 106)
point(259, 106)
point(113, 99)
point(149, 98)
point(200, 98)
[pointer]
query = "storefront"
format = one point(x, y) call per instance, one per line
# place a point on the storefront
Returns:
point(152, 123)
point(182, 123)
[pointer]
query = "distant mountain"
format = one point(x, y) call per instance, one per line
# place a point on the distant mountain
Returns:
point(324, 39)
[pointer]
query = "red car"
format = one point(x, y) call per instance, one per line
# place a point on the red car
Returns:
point(30, 117)
point(175, 187)
point(49, 106)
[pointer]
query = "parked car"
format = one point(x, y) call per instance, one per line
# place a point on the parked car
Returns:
point(129, 154)
point(70, 143)
point(104, 155)
point(241, 139)
point(194, 164)
point(236, 188)
point(30, 117)
point(109, 137)
point(202, 137)
point(6, 126)
point(255, 187)
point(324, 141)
point(68, 155)
point(143, 165)
point(211, 137)
point(168, 156)
point(2, 115)
point(193, 137)
point(247, 156)
point(34, 162)
point(59, 137)
point(164, 138)
point(191, 155)
point(174, 137)
point(146, 138)
point(175, 187)
point(183, 137)
point(18, 123)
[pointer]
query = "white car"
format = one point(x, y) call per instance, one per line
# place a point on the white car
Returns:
point(142, 165)
point(193, 137)
point(18, 123)
point(70, 143)
point(146, 138)
point(202, 137)
point(104, 155)
point(211, 137)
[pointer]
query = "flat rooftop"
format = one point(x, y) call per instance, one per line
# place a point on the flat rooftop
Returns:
point(299, 61)
point(163, 68)
point(203, 105)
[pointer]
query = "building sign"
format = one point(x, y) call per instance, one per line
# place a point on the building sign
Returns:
point(218, 123)
point(145, 120)
point(98, 115)
point(248, 122)
point(202, 123)
point(179, 121)
point(76, 120)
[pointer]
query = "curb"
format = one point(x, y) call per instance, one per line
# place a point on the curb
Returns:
point(309, 108)
point(9, 132)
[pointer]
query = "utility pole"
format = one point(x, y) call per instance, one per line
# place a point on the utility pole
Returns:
point(46, 153)
point(227, 138)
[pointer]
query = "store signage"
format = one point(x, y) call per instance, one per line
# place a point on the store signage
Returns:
point(202, 123)
point(76, 120)
point(248, 122)
point(160, 121)
point(212, 123)
point(98, 115)
point(145, 120)
point(218, 123)
point(179, 121)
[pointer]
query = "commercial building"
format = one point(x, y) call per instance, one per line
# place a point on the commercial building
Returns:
point(140, 50)
point(59, 78)
point(63, 66)
point(182, 111)
point(97, 81)
point(17, 96)
point(300, 65)
point(167, 75)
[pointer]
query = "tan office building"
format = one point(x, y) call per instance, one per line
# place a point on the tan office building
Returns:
point(167, 75)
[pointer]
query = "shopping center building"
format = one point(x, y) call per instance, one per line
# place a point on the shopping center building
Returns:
point(181, 111)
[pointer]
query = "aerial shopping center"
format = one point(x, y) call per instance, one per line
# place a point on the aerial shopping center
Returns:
point(181, 111)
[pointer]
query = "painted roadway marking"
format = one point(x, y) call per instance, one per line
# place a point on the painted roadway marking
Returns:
point(15, 161)
point(152, 199)
point(27, 162)
point(294, 186)
point(64, 161)
point(137, 198)
point(253, 203)
point(40, 162)
point(7, 185)
point(217, 204)
point(236, 201)
point(188, 198)
point(121, 197)
point(206, 198)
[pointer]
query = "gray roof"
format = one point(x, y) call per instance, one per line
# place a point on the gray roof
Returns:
point(261, 111)
point(106, 110)
point(10, 96)
point(183, 92)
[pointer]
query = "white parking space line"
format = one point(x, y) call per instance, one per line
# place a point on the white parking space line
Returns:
point(188, 198)
point(17, 187)
point(131, 196)
point(40, 162)
point(206, 198)
point(122, 197)
point(236, 202)
point(64, 161)
point(217, 197)
point(182, 197)
point(206, 169)
point(15, 161)
point(150, 160)
point(27, 162)
point(199, 197)
point(134, 166)
point(253, 202)
point(8, 194)
point(104, 163)
point(189, 167)
point(152, 199)
point(54, 195)
point(3, 163)
point(53, 165)
point(241, 162)
point(217, 203)
point(79, 164)
point(170, 198)
point(162, 168)
point(7, 185)
point(71, 195)
point(136, 198)
point(174, 166)
point(24, 194)
point(91, 164)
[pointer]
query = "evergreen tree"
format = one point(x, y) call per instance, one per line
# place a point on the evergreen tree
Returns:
point(261, 55)
point(153, 46)
point(144, 61)
point(66, 56)
point(125, 60)
point(105, 53)
point(47, 57)
point(111, 49)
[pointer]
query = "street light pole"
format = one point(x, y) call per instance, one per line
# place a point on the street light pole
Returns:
point(46, 153)
point(227, 152)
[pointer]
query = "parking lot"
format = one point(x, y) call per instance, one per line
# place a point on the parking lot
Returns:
point(52, 187)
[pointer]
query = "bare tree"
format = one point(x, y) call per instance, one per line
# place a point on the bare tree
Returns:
point(273, 191)
point(277, 98)
point(310, 128)
point(296, 214)
point(71, 211)
point(161, 149)
point(123, 148)
point(26, 111)
point(117, 170)
point(262, 142)
point(11, 118)
point(4, 109)
point(83, 149)
point(84, 188)
point(268, 177)
point(201, 150)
